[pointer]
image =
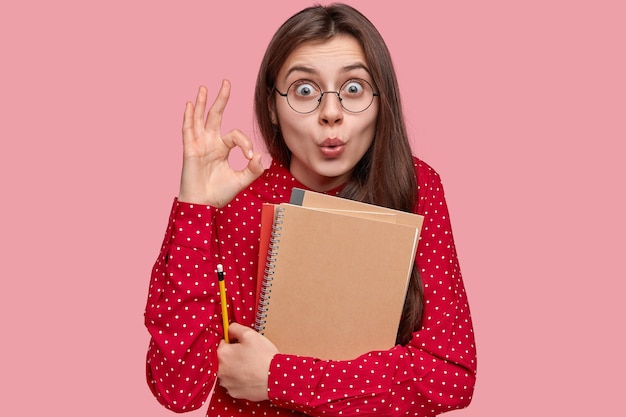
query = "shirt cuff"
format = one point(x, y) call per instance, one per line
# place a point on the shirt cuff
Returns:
point(191, 224)
point(285, 381)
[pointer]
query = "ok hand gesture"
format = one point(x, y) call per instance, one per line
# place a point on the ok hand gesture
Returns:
point(207, 178)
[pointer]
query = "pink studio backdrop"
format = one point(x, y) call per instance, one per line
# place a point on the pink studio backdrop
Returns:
point(519, 105)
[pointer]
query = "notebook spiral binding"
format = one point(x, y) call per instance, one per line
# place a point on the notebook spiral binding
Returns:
point(268, 273)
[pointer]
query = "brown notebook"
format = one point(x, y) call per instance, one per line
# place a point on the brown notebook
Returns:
point(334, 277)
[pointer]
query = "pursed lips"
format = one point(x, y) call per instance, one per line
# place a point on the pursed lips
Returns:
point(332, 147)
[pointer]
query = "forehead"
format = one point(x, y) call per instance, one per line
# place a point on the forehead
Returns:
point(338, 55)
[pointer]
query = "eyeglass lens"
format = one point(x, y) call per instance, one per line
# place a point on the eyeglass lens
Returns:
point(355, 95)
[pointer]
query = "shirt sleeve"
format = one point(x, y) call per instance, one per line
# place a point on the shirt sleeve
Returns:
point(182, 311)
point(435, 372)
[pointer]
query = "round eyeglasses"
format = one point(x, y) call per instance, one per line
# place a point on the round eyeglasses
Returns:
point(305, 96)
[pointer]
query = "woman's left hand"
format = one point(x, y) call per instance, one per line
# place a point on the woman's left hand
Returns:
point(244, 366)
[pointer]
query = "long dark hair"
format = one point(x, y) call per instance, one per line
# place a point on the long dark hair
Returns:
point(385, 175)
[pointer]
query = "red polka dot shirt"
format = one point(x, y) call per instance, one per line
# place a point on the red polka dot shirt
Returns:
point(433, 373)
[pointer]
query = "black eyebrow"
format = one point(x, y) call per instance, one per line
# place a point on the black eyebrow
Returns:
point(348, 68)
point(306, 70)
point(312, 71)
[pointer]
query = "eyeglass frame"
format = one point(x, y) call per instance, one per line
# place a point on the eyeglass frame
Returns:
point(319, 100)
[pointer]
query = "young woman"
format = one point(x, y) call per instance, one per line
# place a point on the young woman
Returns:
point(328, 107)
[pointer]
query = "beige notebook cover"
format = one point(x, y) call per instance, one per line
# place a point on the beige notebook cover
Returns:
point(313, 199)
point(335, 282)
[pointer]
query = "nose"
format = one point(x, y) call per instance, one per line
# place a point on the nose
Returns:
point(331, 110)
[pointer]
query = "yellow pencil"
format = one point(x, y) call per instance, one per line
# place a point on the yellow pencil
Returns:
point(220, 278)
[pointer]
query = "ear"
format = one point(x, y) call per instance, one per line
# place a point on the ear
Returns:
point(271, 107)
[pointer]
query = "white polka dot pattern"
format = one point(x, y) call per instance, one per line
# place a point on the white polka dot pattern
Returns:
point(433, 373)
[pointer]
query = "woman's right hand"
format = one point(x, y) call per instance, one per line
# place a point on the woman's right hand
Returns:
point(207, 178)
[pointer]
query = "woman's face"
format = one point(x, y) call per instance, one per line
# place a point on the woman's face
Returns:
point(327, 143)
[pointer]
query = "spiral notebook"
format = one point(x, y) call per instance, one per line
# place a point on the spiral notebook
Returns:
point(333, 278)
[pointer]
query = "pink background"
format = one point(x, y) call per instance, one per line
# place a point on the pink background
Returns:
point(519, 105)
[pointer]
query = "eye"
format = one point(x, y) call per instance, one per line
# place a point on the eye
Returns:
point(304, 88)
point(353, 88)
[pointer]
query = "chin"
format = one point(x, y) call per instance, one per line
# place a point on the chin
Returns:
point(335, 172)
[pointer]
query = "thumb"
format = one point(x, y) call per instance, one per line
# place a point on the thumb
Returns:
point(254, 168)
point(237, 331)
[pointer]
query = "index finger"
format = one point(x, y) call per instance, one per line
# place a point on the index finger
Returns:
point(214, 117)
